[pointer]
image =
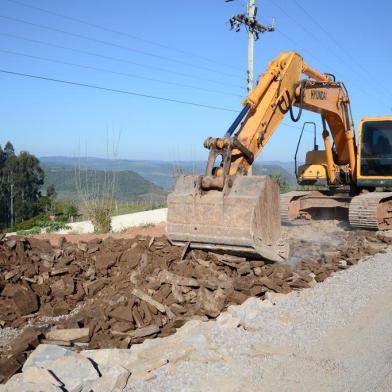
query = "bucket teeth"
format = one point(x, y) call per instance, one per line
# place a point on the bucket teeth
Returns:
point(242, 218)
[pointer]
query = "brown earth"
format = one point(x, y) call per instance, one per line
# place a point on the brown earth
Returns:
point(125, 290)
point(153, 231)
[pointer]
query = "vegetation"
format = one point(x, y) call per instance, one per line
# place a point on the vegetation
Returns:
point(282, 182)
point(44, 226)
point(21, 178)
point(130, 186)
point(97, 197)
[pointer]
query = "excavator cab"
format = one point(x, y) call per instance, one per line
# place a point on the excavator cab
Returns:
point(315, 167)
point(375, 152)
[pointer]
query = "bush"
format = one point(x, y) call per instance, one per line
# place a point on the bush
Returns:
point(38, 225)
point(28, 224)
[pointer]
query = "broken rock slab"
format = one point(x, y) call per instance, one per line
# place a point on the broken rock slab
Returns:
point(18, 383)
point(68, 335)
point(71, 368)
point(114, 378)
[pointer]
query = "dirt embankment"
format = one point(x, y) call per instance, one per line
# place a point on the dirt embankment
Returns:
point(127, 290)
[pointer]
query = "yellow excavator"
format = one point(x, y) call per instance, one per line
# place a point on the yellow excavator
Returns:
point(227, 210)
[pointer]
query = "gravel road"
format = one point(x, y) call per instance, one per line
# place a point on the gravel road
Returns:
point(336, 336)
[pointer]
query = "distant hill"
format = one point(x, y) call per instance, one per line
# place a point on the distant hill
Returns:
point(130, 186)
point(162, 173)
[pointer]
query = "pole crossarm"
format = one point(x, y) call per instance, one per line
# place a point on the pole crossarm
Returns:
point(253, 25)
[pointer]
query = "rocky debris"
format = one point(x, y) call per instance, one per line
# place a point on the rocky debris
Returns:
point(127, 291)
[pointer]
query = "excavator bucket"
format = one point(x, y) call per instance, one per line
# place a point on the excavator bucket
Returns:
point(241, 218)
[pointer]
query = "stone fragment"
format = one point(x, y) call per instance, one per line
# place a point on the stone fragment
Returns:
point(114, 378)
point(70, 368)
point(105, 261)
point(211, 302)
point(71, 335)
point(63, 287)
point(140, 332)
point(237, 297)
point(168, 277)
point(27, 339)
point(122, 313)
point(145, 297)
point(275, 297)
point(25, 300)
point(46, 353)
point(10, 274)
point(9, 366)
point(37, 375)
point(177, 293)
point(92, 288)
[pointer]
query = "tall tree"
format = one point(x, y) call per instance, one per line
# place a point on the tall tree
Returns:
point(20, 180)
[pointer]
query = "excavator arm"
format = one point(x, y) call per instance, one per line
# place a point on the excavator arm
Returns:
point(280, 88)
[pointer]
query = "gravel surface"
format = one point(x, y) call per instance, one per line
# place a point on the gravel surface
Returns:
point(333, 337)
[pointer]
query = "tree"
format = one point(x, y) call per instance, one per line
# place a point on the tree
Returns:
point(20, 180)
point(282, 182)
point(51, 195)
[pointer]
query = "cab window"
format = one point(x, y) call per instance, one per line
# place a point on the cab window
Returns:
point(376, 148)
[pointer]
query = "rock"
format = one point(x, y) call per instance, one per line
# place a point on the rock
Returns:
point(123, 313)
point(275, 297)
point(140, 332)
point(211, 302)
point(45, 353)
point(169, 277)
point(145, 297)
point(72, 370)
point(63, 287)
point(19, 384)
point(237, 297)
point(105, 261)
point(28, 338)
point(111, 357)
point(227, 320)
point(114, 378)
point(250, 313)
point(71, 335)
point(37, 375)
point(9, 366)
point(92, 288)
point(385, 236)
point(25, 300)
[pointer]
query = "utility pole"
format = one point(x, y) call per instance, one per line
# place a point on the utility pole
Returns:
point(254, 30)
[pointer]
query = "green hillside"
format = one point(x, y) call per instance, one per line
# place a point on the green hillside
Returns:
point(129, 186)
point(162, 173)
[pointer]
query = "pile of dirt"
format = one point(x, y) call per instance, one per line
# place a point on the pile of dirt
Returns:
point(122, 291)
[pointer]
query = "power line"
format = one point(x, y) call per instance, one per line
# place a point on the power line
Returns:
point(96, 40)
point(121, 60)
point(96, 87)
point(309, 33)
point(121, 33)
point(337, 44)
point(115, 72)
point(133, 93)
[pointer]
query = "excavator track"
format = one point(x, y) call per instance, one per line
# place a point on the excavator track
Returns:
point(288, 214)
point(371, 210)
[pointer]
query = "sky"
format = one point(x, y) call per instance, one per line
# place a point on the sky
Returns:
point(175, 49)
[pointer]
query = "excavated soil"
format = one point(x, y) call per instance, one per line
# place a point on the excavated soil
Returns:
point(125, 290)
